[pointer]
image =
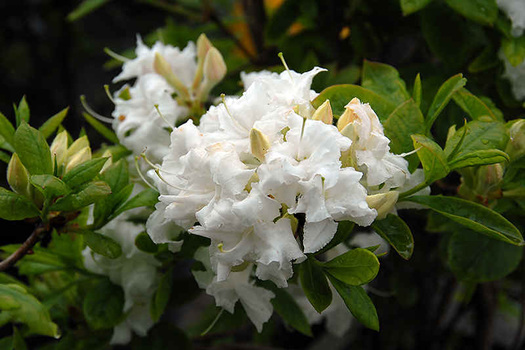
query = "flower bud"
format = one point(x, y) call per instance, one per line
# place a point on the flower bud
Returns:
point(109, 155)
point(163, 68)
point(324, 113)
point(488, 180)
point(80, 157)
point(203, 45)
point(383, 203)
point(516, 145)
point(59, 148)
point(77, 146)
point(349, 115)
point(259, 144)
point(18, 177)
point(214, 67)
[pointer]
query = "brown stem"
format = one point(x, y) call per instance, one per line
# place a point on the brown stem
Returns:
point(24, 248)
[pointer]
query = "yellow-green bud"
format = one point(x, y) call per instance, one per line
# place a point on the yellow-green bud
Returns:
point(77, 146)
point(516, 145)
point(259, 144)
point(18, 177)
point(383, 203)
point(80, 157)
point(324, 113)
point(348, 116)
point(59, 148)
point(488, 180)
point(214, 67)
point(203, 45)
point(109, 155)
point(163, 68)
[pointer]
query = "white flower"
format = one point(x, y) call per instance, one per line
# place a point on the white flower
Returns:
point(515, 10)
point(516, 77)
point(135, 271)
point(183, 63)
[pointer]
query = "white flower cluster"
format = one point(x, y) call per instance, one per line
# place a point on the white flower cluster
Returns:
point(266, 178)
point(515, 10)
point(515, 76)
point(135, 271)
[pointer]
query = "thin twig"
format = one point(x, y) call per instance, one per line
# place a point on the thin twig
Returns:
point(24, 248)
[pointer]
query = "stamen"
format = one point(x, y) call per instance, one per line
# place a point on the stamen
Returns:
point(210, 327)
point(163, 118)
point(106, 88)
point(115, 55)
point(92, 112)
point(281, 56)
point(223, 97)
point(410, 153)
point(141, 175)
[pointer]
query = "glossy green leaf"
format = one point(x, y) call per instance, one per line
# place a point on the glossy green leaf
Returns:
point(22, 112)
point(88, 194)
point(514, 49)
point(410, 6)
point(355, 267)
point(162, 295)
point(472, 105)
point(16, 207)
point(286, 306)
point(473, 216)
point(315, 285)
point(102, 244)
point(478, 135)
point(116, 175)
point(48, 128)
point(18, 306)
point(344, 229)
point(481, 11)
point(397, 233)
point(104, 209)
point(146, 198)
point(481, 259)
point(358, 302)
point(476, 158)
point(7, 131)
point(404, 121)
point(33, 150)
point(384, 80)
point(85, 8)
point(84, 172)
point(432, 158)
point(103, 305)
point(101, 128)
point(340, 95)
point(443, 96)
point(50, 186)
point(143, 242)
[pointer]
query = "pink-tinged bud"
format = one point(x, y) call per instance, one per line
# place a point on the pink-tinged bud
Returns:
point(324, 113)
point(488, 180)
point(214, 67)
point(516, 145)
point(203, 46)
point(18, 177)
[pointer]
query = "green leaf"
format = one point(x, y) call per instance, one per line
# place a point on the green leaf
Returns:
point(85, 8)
point(4, 157)
point(282, 19)
point(404, 121)
point(16, 207)
point(482, 157)
point(410, 6)
point(88, 194)
point(358, 302)
point(22, 112)
point(472, 105)
point(146, 198)
point(50, 186)
point(443, 96)
point(101, 128)
point(84, 172)
point(143, 242)
point(315, 285)
point(384, 80)
point(340, 95)
point(18, 340)
point(478, 135)
point(7, 131)
point(104, 209)
point(48, 128)
point(432, 158)
point(33, 150)
point(103, 305)
point(481, 259)
point(162, 295)
point(417, 91)
point(344, 229)
point(285, 305)
point(396, 232)
point(355, 267)
point(514, 49)
point(18, 306)
point(116, 175)
point(473, 216)
point(482, 11)
point(102, 244)
point(487, 59)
